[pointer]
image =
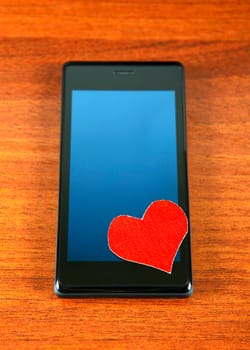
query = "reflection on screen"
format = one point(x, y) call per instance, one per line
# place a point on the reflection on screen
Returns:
point(123, 156)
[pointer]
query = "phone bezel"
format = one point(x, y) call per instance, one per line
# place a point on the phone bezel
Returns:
point(121, 278)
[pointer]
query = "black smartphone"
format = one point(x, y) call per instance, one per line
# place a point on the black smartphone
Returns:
point(123, 146)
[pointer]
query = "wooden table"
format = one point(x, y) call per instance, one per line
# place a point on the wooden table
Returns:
point(211, 38)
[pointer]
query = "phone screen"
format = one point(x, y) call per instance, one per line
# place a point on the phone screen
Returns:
point(123, 156)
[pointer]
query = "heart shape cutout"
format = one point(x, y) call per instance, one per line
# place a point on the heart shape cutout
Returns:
point(152, 240)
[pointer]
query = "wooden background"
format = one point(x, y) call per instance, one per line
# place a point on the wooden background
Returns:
point(211, 38)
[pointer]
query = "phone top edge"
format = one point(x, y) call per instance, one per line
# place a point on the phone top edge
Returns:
point(110, 63)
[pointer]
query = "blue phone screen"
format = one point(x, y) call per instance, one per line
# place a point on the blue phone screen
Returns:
point(123, 156)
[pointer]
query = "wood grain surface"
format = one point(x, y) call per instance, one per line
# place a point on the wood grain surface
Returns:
point(211, 38)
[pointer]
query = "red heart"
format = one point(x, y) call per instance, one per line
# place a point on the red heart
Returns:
point(153, 240)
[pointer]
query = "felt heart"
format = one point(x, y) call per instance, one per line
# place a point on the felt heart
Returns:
point(152, 240)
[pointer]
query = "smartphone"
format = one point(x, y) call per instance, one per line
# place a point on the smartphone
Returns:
point(123, 146)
